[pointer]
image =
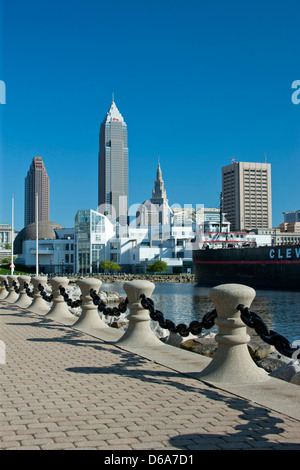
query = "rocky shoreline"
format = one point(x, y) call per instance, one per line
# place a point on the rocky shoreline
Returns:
point(155, 278)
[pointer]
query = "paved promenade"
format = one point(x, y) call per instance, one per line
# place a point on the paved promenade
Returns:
point(65, 389)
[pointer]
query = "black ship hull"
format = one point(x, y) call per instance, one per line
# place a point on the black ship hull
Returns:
point(265, 267)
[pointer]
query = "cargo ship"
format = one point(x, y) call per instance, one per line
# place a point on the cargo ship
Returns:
point(235, 257)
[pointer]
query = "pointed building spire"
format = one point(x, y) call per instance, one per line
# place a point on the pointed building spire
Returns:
point(159, 197)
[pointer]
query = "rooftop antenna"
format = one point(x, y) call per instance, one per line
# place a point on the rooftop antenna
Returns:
point(113, 96)
point(265, 158)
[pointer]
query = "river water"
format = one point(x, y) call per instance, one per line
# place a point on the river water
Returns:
point(183, 303)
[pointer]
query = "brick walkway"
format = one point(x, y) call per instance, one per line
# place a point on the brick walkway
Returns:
point(62, 389)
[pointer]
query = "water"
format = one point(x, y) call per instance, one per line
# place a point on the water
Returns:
point(183, 303)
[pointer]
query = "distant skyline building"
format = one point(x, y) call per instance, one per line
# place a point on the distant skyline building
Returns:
point(36, 182)
point(156, 211)
point(247, 197)
point(113, 167)
point(159, 198)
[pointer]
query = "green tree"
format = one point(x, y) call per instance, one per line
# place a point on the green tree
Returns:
point(107, 265)
point(157, 267)
point(7, 260)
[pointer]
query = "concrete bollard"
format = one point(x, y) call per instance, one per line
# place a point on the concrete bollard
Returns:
point(12, 294)
point(232, 362)
point(89, 319)
point(59, 310)
point(23, 300)
point(138, 333)
point(3, 292)
point(38, 305)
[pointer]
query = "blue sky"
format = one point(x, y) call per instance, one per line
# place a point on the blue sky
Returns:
point(197, 83)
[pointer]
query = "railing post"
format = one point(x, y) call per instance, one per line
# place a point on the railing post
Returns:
point(4, 292)
point(89, 319)
point(12, 294)
point(38, 305)
point(138, 332)
point(59, 310)
point(23, 301)
point(232, 362)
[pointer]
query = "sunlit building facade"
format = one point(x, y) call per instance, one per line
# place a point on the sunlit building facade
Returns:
point(92, 231)
point(36, 182)
point(113, 167)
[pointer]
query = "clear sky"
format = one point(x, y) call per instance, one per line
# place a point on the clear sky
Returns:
point(197, 82)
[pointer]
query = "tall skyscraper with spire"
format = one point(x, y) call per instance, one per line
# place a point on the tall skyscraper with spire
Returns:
point(36, 182)
point(113, 166)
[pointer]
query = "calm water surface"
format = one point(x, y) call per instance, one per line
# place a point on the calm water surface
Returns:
point(183, 303)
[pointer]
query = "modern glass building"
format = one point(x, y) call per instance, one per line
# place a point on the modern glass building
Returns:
point(113, 167)
point(92, 231)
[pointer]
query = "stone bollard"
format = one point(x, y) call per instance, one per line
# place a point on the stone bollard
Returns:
point(138, 333)
point(59, 310)
point(89, 319)
point(23, 300)
point(232, 363)
point(38, 305)
point(3, 292)
point(12, 294)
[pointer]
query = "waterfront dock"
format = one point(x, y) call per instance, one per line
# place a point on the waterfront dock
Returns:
point(62, 388)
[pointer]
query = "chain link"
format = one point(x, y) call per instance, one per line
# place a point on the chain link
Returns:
point(28, 291)
point(16, 287)
point(195, 327)
point(71, 303)
point(115, 311)
point(254, 321)
point(46, 297)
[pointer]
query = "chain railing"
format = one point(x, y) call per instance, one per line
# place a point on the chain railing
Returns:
point(28, 291)
point(45, 296)
point(281, 344)
point(195, 327)
point(71, 303)
point(16, 287)
point(102, 307)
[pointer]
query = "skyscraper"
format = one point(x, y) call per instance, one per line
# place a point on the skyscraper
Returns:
point(36, 182)
point(113, 166)
point(247, 199)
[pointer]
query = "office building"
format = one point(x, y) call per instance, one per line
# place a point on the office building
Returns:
point(291, 216)
point(113, 167)
point(36, 182)
point(247, 199)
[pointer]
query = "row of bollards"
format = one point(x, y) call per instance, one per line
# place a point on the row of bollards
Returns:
point(231, 363)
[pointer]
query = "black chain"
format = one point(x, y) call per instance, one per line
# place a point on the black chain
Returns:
point(195, 327)
point(6, 285)
point(46, 297)
point(115, 311)
point(253, 320)
point(28, 291)
point(71, 303)
point(16, 287)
